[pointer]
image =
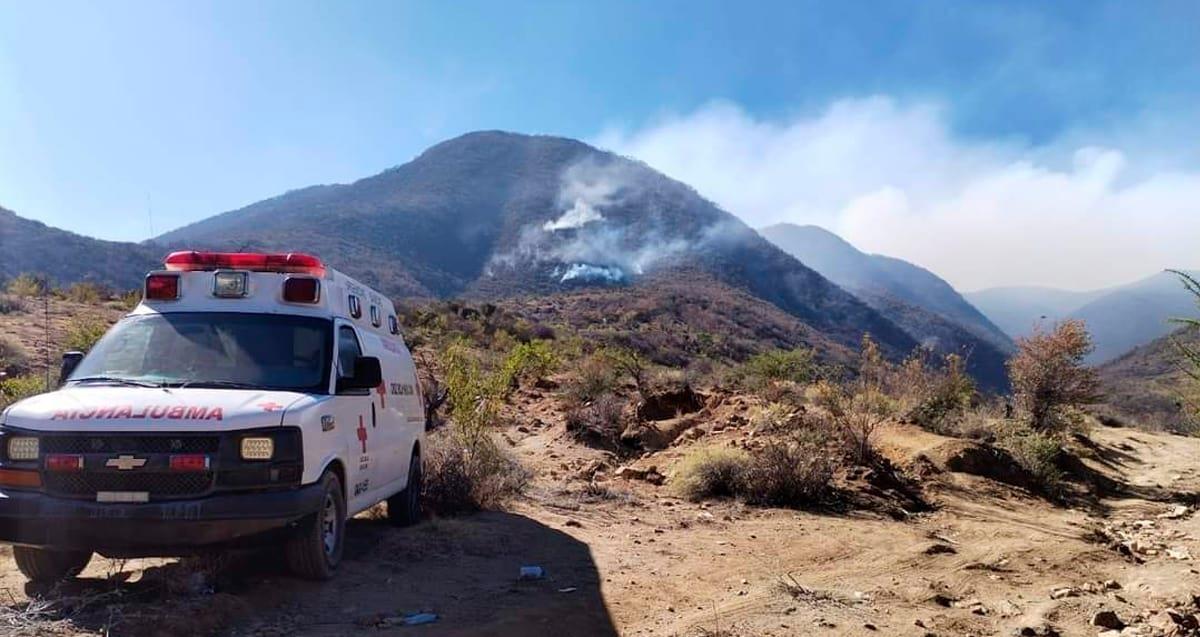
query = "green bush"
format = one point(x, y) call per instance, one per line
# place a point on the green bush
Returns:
point(710, 473)
point(17, 387)
point(83, 333)
point(1037, 451)
point(527, 361)
point(796, 366)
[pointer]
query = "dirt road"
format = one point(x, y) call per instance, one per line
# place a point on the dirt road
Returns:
point(626, 558)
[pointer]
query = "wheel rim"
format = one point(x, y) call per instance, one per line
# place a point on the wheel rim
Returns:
point(329, 527)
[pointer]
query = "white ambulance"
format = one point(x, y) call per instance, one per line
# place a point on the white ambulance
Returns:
point(249, 399)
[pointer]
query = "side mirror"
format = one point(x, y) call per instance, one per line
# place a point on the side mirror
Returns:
point(70, 361)
point(368, 374)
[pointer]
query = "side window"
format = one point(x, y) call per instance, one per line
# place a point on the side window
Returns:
point(355, 307)
point(393, 325)
point(348, 351)
point(375, 320)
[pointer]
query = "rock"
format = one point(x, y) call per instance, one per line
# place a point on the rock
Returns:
point(1064, 592)
point(1179, 553)
point(630, 473)
point(1107, 619)
point(1112, 585)
point(939, 549)
point(1176, 512)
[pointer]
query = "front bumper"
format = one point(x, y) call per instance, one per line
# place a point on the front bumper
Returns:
point(169, 528)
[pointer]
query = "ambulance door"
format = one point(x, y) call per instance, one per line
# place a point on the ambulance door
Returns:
point(352, 411)
point(387, 417)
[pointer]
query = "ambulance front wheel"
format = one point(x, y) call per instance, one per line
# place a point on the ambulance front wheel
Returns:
point(47, 565)
point(315, 549)
point(404, 508)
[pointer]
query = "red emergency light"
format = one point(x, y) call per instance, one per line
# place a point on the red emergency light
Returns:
point(162, 287)
point(189, 462)
point(293, 262)
point(64, 462)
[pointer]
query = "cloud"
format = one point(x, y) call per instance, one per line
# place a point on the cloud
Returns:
point(1087, 210)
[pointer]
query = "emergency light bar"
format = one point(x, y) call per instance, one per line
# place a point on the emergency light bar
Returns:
point(292, 262)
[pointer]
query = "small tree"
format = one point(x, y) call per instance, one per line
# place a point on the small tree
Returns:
point(1049, 378)
point(25, 286)
point(1190, 354)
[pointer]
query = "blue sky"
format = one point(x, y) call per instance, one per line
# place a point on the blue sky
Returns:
point(193, 108)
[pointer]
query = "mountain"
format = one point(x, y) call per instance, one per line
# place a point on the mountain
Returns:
point(871, 276)
point(1119, 318)
point(28, 246)
point(915, 299)
point(1148, 383)
point(494, 214)
point(1018, 309)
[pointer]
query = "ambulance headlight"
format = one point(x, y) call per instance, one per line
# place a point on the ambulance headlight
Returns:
point(257, 448)
point(22, 448)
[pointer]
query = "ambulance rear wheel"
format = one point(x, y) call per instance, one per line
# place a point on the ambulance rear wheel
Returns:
point(404, 508)
point(315, 549)
point(47, 565)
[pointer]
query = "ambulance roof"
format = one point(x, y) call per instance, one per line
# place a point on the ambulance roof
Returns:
point(265, 283)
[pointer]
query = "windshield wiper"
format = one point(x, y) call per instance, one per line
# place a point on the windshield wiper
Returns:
point(214, 384)
point(114, 379)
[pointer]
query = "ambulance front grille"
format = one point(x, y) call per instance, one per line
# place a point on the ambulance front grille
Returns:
point(158, 485)
point(130, 444)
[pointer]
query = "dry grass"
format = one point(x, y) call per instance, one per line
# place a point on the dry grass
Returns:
point(465, 476)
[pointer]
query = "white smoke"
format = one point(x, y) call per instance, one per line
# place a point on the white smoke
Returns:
point(581, 214)
point(591, 245)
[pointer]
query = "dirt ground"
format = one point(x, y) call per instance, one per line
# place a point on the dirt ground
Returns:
point(624, 557)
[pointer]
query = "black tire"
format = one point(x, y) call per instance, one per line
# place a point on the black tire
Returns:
point(404, 508)
point(312, 552)
point(48, 565)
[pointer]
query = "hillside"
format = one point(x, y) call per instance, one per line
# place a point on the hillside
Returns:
point(1148, 384)
point(66, 257)
point(1119, 318)
point(495, 214)
point(915, 299)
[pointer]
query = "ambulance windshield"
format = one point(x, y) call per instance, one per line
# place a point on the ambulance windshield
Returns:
point(207, 349)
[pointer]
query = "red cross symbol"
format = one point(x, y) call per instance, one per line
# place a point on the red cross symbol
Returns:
point(382, 391)
point(362, 434)
point(271, 406)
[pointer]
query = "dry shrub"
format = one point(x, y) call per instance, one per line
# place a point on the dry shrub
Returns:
point(13, 357)
point(11, 304)
point(792, 473)
point(594, 377)
point(463, 476)
point(1049, 378)
point(85, 292)
point(599, 422)
point(796, 472)
point(935, 398)
point(26, 286)
point(775, 418)
point(855, 411)
point(711, 472)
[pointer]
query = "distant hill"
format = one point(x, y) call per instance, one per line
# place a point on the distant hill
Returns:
point(28, 246)
point(1016, 310)
point(920, 302)
point(499, 214)
point(1119, 318)
point(1148, 383)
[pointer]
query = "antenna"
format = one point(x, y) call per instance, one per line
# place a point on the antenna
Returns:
point(46, 316)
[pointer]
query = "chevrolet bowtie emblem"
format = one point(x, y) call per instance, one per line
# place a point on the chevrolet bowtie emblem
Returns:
point(125, 463)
